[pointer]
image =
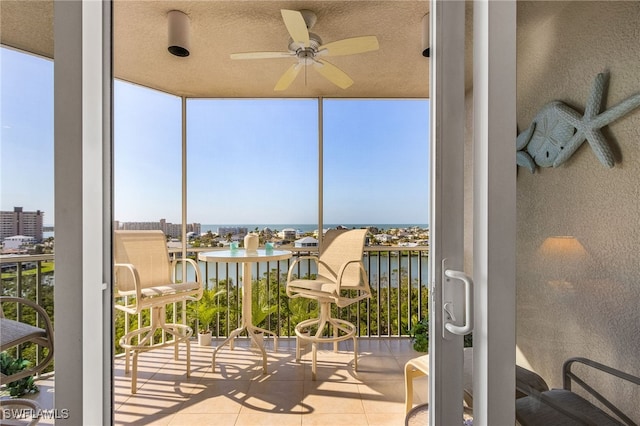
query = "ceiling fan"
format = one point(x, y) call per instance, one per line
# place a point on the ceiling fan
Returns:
point(308, 49)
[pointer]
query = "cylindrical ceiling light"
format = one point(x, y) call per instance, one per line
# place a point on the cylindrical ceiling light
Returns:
point(179, 33)
point(426, 49)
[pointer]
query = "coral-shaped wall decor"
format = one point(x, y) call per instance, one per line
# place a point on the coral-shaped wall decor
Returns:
point(558, 130)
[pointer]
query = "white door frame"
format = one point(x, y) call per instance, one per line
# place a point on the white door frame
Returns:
point(494, 211)
point(446, 224)
point(494, 225)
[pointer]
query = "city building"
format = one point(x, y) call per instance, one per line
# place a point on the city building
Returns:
point(288, 234)
point(306, 242)
point(173, 230)
point(17, 242)
point(20, 222)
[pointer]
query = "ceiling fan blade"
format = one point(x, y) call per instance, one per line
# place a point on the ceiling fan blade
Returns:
point(296, 26)
point(288, 77)
point(333, 74)
point(261, 55)
point(349, 46)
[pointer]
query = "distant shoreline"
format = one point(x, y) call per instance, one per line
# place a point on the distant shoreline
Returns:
point(306, 227)
point(302, 227)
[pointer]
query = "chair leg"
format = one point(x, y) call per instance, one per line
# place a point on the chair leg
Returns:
point(410, 373)
point(408, 387)
point(145, 342)
point(321, 335)
point(314, 358)
point(134, 373)
point(127, 360)
point(355, 353)
point(188, 343)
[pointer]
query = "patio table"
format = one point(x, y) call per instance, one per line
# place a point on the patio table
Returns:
point(246, 258)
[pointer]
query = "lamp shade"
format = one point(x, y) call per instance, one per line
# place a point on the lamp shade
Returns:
point(426, 48)
point(566, 248)
point(179, 33)
point(564, 259)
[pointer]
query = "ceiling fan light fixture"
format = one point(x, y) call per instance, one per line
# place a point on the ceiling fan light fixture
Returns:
point(426, 48)
point(179, 33)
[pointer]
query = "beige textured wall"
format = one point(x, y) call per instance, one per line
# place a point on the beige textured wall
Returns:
point(561, 47)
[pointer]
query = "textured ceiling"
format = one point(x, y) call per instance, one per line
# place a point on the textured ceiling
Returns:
point(27, 25)
point(219, 28)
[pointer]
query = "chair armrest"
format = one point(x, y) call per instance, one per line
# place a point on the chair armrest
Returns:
point(343, 268)
point(174, 264)
point(568, 375)
point(295, 262)
point(43, 341)
point(48, 326)
point(134, 273)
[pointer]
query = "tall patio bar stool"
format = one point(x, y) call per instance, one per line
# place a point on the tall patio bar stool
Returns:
point(145, 278)
point(341, 280)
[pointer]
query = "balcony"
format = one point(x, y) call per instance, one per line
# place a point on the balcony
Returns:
point(237, 393)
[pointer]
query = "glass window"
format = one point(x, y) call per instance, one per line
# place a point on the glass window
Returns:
point(26, 153)
point(147, 155)
point(252, 162)
point(376, 162)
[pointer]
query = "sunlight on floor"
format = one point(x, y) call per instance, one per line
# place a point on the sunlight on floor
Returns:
point(238, 394)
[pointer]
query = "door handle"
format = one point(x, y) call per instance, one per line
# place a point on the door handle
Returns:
point(448, 317)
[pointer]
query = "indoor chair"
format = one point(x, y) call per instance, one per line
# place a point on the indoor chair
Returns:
point(588, 406)
point(341, 280)
point(145, 278)
point(419, 366)
point(527, 383)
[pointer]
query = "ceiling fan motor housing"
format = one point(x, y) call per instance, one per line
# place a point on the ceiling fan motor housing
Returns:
point(303, 52)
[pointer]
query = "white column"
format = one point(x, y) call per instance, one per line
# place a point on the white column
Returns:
point(494, 259)
point(82, 82)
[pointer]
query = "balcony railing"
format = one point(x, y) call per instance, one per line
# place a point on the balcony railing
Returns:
point(398, 277)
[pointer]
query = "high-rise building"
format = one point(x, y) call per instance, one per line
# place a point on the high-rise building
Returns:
point(19, 222)
point(173, 230)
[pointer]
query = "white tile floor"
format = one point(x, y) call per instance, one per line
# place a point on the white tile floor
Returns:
point(237, 393)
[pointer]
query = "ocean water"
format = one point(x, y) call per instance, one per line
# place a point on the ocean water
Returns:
point(386, 271)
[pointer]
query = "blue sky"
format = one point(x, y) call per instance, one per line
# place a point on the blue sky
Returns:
point(26, 141)
point(248, 161)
